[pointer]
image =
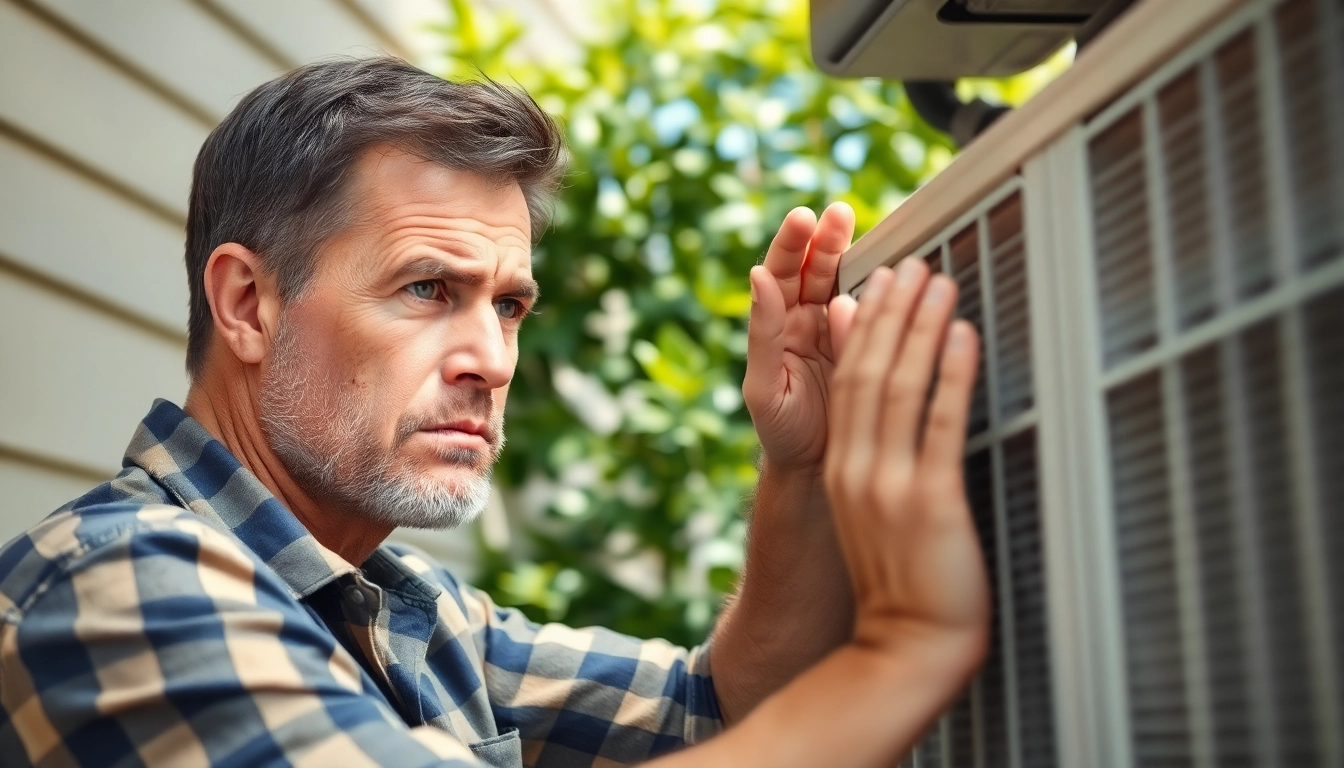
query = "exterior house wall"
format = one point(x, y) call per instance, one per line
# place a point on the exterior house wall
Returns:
point(103, 107)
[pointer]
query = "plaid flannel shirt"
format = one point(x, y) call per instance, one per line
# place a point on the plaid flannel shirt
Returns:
point(181, 615)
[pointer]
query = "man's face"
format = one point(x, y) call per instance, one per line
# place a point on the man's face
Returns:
point(385, 389)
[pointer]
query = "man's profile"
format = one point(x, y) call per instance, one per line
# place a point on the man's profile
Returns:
point(358, 255)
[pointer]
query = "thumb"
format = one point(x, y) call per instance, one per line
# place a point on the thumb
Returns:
point(765, 327)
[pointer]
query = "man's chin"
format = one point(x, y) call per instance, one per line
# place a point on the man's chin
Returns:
point(431, 502)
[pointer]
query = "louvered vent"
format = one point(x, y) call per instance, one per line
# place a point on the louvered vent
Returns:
point(964, 267)
point(1034, 706)
point(989, 691)
point(1148, 573)
point(1313, 97)
point(1124, 266)
point(1243, 160)
point(1186, 444)
point(1222, 583)
point(1322, 320)
point(1218, 224)
point(1006, 717)
point(1182, 126)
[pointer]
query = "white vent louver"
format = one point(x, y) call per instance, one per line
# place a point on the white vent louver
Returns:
point(1156, 454)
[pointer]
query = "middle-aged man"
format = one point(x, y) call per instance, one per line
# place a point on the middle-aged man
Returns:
point(358, 253)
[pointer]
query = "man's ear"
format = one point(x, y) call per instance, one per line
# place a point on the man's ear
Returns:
point(243, 300)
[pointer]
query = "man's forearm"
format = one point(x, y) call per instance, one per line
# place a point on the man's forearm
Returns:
point(860, 707)
point(793, 604)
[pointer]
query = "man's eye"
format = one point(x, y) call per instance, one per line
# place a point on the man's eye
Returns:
point(424, 289)
point(510, 309)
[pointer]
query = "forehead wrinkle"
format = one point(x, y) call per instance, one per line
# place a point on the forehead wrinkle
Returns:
point(467, 237)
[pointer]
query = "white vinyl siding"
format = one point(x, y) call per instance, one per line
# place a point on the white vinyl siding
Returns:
point(103, 107)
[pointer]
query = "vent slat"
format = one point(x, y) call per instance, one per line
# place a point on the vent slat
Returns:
point(1154, 661)
point(1012, 324)
point(1036, 731)
point(1322, 320)
point(1185, 173)
point(964, 255)
point(961, 734)
point(1276, 542)
point(1222, 585)
point(1314, 148)
point(1121, 237)
point(1244, 164)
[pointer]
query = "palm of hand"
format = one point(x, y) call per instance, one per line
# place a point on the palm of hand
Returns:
point(789, 355)
point(792, 426)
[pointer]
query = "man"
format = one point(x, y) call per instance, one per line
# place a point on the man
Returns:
point(358, 253)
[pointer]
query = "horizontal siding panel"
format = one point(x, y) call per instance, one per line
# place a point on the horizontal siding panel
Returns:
point(32, 492)
point(176, 43)
point(58, 223)
point(77, 103)
point(305, 30)
point(76, 381)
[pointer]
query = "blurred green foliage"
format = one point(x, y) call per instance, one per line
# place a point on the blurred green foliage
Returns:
point(694, 127)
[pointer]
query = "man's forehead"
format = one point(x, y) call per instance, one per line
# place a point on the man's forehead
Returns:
point(390, 184)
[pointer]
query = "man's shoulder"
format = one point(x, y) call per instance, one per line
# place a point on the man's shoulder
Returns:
point(103, 523)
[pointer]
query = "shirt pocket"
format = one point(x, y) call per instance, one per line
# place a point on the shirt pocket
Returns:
point(502, 751)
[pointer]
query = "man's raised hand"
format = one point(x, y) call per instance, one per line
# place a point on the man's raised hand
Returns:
point(893, 468)
point(892, 471)
point(789, 352)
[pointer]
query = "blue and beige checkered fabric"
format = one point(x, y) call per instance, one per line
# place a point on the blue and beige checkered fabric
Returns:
point(180, 615)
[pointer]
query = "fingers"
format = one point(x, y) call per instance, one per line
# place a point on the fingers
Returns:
point(765, 354)
point(945, 430)
point(846, 409)
point(788, 251)
point(908, 383)
point(839, 321)
point(875, 344)
point(832, 237)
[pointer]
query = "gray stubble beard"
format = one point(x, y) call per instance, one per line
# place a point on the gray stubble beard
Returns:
point(326, 439)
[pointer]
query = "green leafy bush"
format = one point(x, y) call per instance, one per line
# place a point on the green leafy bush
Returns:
point(693, 128)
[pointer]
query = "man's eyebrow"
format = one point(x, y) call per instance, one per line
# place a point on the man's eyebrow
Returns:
point(430, 268)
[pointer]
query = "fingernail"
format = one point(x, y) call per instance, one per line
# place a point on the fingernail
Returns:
point(877, 284)
point(936, 291)
point(957, 337)
point(905, 271)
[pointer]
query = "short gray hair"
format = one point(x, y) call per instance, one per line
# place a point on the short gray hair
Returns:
point(273, 175)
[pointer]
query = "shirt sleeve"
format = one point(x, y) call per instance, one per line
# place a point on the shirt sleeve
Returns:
point(167, 644)
point(577, 695)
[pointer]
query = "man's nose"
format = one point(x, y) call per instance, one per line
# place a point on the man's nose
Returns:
point(479, 353)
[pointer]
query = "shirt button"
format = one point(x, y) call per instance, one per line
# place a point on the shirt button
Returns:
point(355, 595)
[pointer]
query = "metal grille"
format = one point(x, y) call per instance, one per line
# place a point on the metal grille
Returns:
point(1175, 265)
point(1216, 220)
point(1124, 265)
point(1006, 717)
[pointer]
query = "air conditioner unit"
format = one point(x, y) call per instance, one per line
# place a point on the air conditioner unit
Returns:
point(1153, 250)
point(942, 39)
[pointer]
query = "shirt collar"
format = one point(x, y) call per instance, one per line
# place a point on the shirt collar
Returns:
point(207, 479)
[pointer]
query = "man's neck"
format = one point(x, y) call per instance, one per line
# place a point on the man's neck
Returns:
point(229, 413)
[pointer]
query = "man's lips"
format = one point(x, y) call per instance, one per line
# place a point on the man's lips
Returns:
point(466, 432)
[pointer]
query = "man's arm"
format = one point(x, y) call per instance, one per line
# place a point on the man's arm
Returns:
point(793, 604)
point(893, 474)
point(163, 643)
